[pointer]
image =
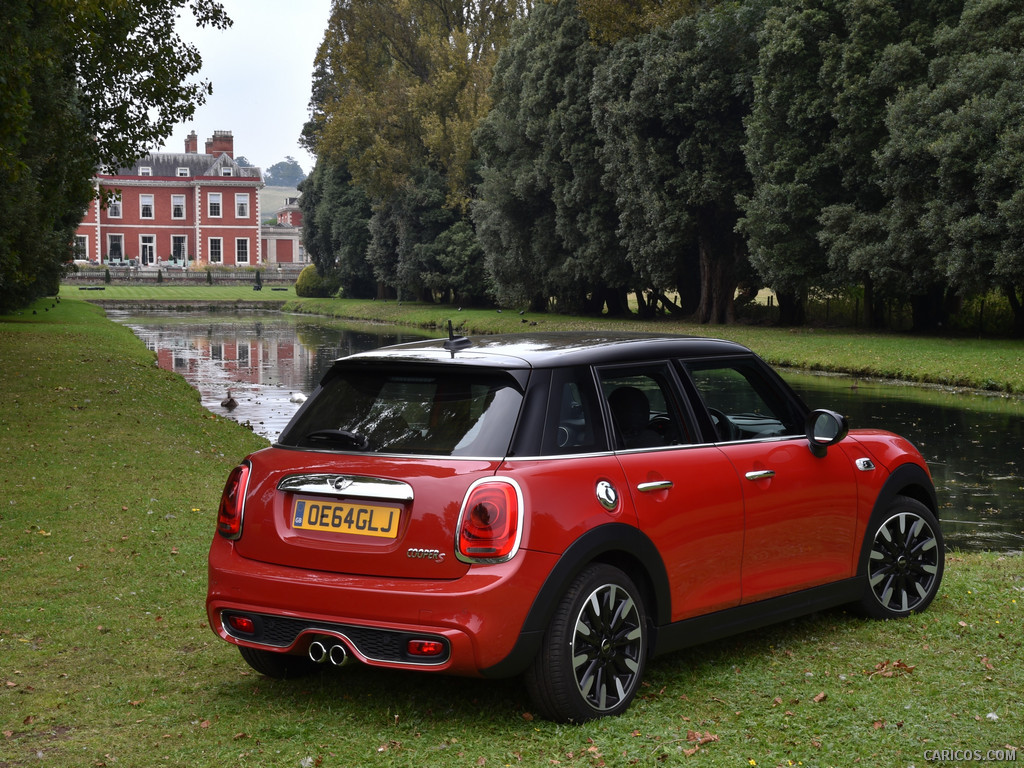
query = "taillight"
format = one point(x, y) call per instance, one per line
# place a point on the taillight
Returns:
point(229, 516)
point(491, 521)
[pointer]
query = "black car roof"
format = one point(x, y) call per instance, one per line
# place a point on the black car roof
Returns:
point(554, 349)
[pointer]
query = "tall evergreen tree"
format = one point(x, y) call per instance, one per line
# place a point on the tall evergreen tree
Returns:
point(669, 107)
point(954, 164)
point(543, 216)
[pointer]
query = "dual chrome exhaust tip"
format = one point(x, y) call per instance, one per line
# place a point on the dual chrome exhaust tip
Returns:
point(326, 650)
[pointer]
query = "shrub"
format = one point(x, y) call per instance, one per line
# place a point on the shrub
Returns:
point(311, 285)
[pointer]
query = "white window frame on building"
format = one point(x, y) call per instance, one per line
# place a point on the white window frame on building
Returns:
point(81, 247)
point(182, 172)
point(117, 239)
point(177, 206)
point(147, 207)
point(179, 249)
point(214, 205)
point(145, 170)
point(114, 207)
point(241, 250)
point(215, 248)
point(241, 205)
point(147, 249)
point(228, 171)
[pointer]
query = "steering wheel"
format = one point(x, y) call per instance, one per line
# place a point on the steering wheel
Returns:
point(723, 425)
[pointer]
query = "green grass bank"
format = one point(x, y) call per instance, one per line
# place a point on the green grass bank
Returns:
point(112, 473)
point(995, 365)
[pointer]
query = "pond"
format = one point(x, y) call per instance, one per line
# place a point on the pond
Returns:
point(972, 442)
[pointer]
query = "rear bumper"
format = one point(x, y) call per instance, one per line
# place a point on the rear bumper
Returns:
point(479, 616)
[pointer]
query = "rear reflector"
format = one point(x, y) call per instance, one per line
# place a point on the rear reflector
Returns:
point(425, 647)
point(242, 624)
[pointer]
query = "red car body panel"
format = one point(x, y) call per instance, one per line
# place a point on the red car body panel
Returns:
point(697, 523)
point(462, 610)
point(800, 523)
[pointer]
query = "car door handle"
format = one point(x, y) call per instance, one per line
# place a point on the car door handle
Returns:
point(656, 485)
point(761, 474)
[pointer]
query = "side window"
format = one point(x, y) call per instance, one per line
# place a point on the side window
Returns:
point(744, 404)
point(573, 423)
point(644, 408)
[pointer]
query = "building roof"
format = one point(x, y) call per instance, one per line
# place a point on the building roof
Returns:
point(168, 163)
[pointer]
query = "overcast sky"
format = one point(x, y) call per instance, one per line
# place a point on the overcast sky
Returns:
point(260, 69)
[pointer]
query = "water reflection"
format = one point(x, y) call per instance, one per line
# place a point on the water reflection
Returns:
point(265, 359)
point(972, 442)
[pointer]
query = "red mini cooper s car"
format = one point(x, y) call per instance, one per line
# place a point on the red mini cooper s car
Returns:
point(562, 507)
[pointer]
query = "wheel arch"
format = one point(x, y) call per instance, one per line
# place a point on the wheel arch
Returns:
point(615, 544)
point(911, 480)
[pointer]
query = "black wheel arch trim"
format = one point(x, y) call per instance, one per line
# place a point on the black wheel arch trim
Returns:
point(906, 480)
point(616, 544)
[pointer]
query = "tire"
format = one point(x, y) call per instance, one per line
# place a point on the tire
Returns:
point(280, 666)
point(594, 650)
point(904, 561)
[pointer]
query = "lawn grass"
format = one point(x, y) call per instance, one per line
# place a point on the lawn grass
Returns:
point(112, 475)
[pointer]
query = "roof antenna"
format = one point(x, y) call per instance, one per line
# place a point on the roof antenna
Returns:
point(454, 343)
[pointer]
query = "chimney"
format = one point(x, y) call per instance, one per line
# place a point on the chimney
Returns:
point(222, 142)
point(192, 143)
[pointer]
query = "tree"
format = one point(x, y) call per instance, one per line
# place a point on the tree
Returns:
point(401, 84)
point(287, 173)
point(955, 158)
point(336, 233)
point(818, 216)
point(87, 85)
point(613, 20)
point(546, 222)
point(787, 152)
point(670, 107)
point(398, 88)
point(882, 53)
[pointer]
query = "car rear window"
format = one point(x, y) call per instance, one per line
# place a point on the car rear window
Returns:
point(435, 412)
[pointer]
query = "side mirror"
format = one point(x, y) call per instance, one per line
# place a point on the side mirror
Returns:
point(825, 428)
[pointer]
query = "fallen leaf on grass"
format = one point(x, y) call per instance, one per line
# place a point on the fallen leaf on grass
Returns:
point(820, 697)
point(892, 669)
point(696, 737)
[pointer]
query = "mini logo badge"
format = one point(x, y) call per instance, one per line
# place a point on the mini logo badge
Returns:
point(342, 483)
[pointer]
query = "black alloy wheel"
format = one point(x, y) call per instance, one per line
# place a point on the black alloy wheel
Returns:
point(595, 649)
point(905, 561)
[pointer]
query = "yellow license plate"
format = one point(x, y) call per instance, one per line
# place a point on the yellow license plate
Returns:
point(345, 517)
